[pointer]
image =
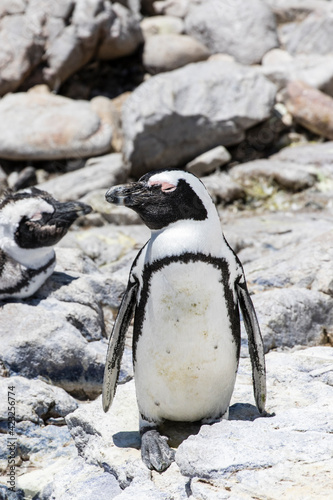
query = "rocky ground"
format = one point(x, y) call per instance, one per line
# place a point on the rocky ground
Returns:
point(97, 92)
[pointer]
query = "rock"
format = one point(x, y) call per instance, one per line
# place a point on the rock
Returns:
point(286, 175)
point(35, 401)
point(253, 30)
point(294, 316)
point(314, 35)
point(311, 108)
point(77, 480)
point(209, 161)
point(111, 213)
point(171, 51)
point(225, 456)
point(62, 39)
point(314, 154)
point(95, 25)
point(315, 70)
point(222, 188)
point(28, 346)
point(122, 34)
point(21, 44)
point(178, 8)
point(161, 25)
point(111, 439)
point(100, 172)
point(44, 126)
point(171, 118)
point(287, 11)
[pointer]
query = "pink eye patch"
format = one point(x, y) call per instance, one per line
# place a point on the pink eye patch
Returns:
point(166, 187)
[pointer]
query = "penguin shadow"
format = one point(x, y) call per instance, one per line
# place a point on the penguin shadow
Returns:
point(177, 432)
point(55, 282)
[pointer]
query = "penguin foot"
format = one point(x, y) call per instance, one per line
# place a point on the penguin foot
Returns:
point(155, 452)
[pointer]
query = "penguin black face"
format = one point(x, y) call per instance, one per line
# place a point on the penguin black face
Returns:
point(34, 219)
point(163, 197)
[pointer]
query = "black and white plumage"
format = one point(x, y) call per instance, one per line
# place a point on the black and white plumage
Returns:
point(31, 223)
point(185, 287)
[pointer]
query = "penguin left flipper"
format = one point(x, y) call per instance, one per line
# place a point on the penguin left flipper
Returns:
point(155, 451)
point(256, 348)
point(117, 344)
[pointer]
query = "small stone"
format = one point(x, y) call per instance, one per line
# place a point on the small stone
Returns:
point(311, 108)
point(161, 25)
point(223, 188)
point(209, 161)
point(168, 52)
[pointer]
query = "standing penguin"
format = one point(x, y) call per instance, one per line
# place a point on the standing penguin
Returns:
point(31, 223)
point(185, 287)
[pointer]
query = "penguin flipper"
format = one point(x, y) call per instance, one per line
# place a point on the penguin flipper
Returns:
point(256, 347)
point(117, 344)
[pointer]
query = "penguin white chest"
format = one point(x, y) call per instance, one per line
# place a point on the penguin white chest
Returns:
point(186, 353)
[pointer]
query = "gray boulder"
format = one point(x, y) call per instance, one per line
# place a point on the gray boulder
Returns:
point(315, 70)
point(245, 30)
point(171, 51)
point(39, 125)
point(287, 11)
point(172, 118)
point(314, 35)
point(294, 316)
point(100, 172)
point(222, 188)
point(35, 401)
point(64, 37)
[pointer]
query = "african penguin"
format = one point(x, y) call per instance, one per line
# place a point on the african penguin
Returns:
point(31, 223)
point(185, 288)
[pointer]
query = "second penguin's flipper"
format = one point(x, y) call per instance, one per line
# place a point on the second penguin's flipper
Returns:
point(117, 344)
point(155, 452)
point(256, 347)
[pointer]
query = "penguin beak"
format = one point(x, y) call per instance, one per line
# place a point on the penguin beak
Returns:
point(66, 213)
point(128, 195)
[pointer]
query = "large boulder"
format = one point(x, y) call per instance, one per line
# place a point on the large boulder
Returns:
point(245, 30)
point(58, 38)
point(314, 35)
point(39, 125)
point(172, 118)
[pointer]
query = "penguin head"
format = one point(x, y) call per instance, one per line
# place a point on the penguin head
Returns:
point(164, 197)
point(33, 219)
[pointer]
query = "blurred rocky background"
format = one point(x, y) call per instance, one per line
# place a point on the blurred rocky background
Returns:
point(239, 92)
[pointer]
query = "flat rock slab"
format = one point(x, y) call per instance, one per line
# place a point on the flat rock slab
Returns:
point(43, 126)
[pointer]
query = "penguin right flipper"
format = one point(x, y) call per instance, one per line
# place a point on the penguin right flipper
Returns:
point(256, 347)
point(117, 344)
point(155, 452)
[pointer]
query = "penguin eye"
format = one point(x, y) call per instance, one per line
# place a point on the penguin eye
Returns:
point(166, 187)
point(37, 216)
